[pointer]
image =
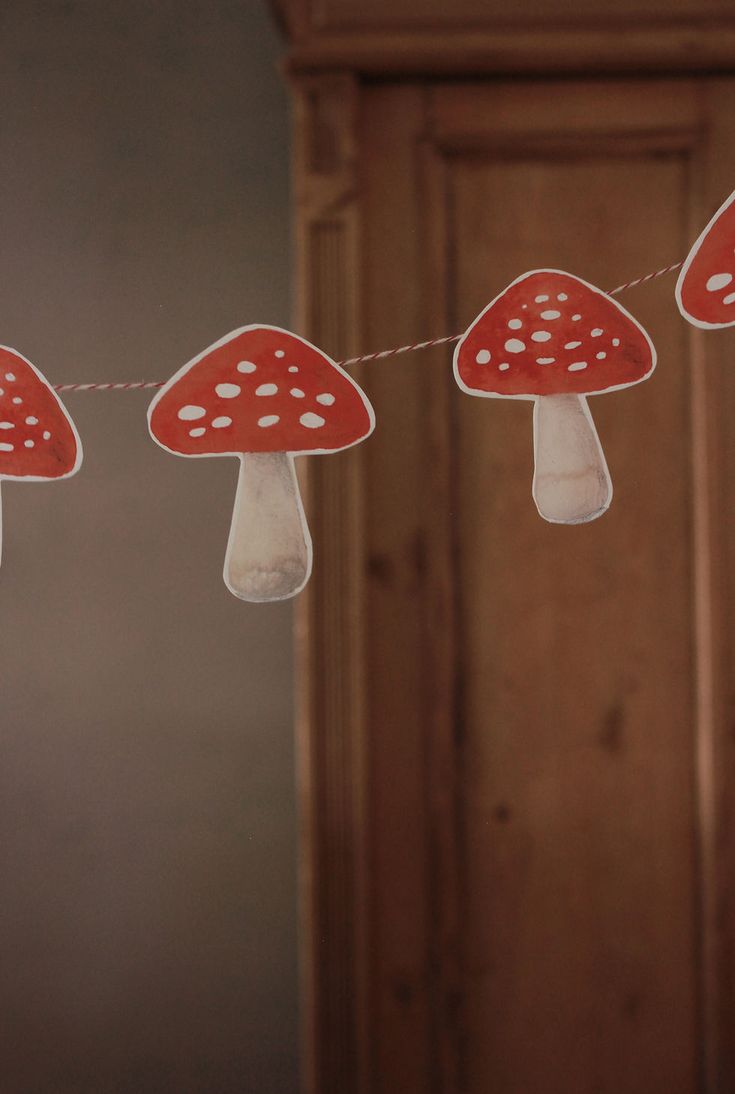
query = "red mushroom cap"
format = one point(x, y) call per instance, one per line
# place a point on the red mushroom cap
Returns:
point(705, 289)
point(260, 389)
point(38, 440)
point(550, 333)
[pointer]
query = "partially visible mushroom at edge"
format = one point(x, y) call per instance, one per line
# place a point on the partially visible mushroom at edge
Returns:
point(38, 440)
point(705, 288)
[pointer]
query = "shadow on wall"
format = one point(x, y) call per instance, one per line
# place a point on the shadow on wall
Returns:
point(147, 922)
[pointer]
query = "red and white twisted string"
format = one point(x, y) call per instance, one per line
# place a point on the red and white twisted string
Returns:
point(145, 385)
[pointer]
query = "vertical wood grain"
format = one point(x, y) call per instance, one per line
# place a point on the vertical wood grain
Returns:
point(443, 728)
point(578, 675)
point(331, 698)
point(398, 548)
point(714, 455)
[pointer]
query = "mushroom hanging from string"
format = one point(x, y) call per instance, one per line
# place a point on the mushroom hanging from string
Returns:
point(38, 440)
point(705, 289)
point(554, 338)
point(263, 395)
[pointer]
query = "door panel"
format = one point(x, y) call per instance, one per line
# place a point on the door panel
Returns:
point(577, 684)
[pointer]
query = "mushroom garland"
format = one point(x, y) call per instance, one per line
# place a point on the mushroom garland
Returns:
point(554, 338)
point(263, 395)
point(38, 439)
point(705, 289)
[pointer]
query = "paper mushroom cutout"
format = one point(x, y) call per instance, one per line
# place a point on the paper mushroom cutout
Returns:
point(554, 338)
point(38, 439)
point(263, 395)
point(705, 289)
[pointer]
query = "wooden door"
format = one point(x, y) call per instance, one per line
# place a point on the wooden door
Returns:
point(517, 746)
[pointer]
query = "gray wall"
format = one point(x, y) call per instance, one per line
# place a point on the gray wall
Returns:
point(147, 859)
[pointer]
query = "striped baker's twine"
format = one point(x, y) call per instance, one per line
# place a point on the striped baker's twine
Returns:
point(145, 385)
point(130, 385)
point(648, 277)
point(400, 349)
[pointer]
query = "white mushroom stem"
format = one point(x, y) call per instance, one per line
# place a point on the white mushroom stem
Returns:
point(571, 482)
point(269, 550)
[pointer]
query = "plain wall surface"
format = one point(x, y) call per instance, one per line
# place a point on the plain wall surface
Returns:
point(147, 833)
